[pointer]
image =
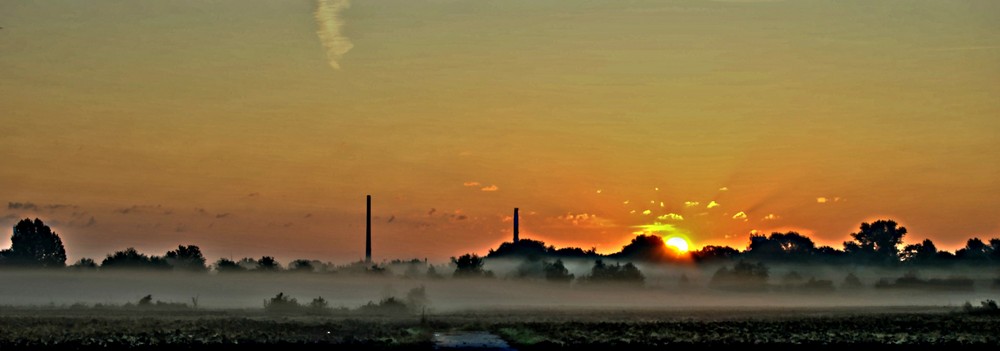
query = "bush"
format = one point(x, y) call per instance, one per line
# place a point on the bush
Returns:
point(988, 307)
point(282, 303)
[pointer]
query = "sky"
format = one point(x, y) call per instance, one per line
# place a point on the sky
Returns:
point(257, 127)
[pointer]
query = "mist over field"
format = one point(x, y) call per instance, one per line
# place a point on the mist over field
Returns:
point(663, 289)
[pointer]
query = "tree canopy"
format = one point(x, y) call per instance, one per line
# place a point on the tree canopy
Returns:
point(34, 244)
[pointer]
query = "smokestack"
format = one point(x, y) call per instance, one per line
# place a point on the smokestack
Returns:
point(368, 232)
point(516, 228)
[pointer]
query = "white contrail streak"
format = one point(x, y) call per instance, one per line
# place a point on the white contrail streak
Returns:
point(328, 18)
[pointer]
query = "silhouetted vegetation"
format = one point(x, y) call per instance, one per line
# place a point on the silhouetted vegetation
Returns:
point(528, 248)
point(987, 307)
point(132, 259)
point(615, 273)
point(877, 242)
point(186, 258)
point(743, 276)
point(470, 265)
point(84, 264)
point(557, 272)
point(911, 281)
point(34, 244)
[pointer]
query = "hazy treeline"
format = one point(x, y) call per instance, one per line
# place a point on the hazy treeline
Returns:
point(877, 244)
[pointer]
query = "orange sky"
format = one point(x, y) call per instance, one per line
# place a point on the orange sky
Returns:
point(256, 127)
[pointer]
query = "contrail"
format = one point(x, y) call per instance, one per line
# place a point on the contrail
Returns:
point(328, 18)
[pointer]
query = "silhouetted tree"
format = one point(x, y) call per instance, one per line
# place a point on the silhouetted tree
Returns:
point(186, 258)
point(225, 265)
point(301, 266)
point(743, 276)
point(714, 253)
point(557, 272)
point(975, 250)
point(877, 242)
point(616, 273)
point(522, 248)
point(268, 264)
point(921, 253)
point(649, 248)
point(780, 247)
point(34, 244)
point(469, 265)
point(132, 259)
point(84, 264)
point(851, 281)
point(432, 273)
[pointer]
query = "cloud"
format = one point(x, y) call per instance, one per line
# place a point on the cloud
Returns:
point(725, 188)
point(490, 188)
point(646, 212)
point(391, 218)
point(222, 215)
point(585, 220)
point(671, 216)
point(662, 204)
point(658, 228)
point(308, 215)
point(253, 194)
point(328, 18)
point(713, 204)
point(201, 211)
point(30, 206)
point(691, 203)
point(144, 209)
point(626, 202)
point(824, 200)
point(21, 206)
point(740, 215)
point(600, 191)
point(771, 217)
point(471, 184)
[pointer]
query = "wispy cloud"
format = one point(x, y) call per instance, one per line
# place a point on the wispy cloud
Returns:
point(144, 209)
point(490, 188)
point(222, 215)
point(30, 206)
point(671, 216)
point(740, 216)
point(585, 220)
point(824, 200)
point(328, 18)
point(691, 203)
point(771, 217)
point(471, 184)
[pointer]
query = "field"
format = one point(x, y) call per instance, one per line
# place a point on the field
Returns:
point(64, 329)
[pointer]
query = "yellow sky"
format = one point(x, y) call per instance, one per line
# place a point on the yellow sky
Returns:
point(225, 124)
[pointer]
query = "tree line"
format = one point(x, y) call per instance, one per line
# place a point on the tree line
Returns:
point(34, 244)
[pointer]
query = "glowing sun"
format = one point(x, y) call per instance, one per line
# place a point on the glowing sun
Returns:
point(678, 243)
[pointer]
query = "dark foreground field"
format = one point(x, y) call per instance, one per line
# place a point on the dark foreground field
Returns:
point(66, 329)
